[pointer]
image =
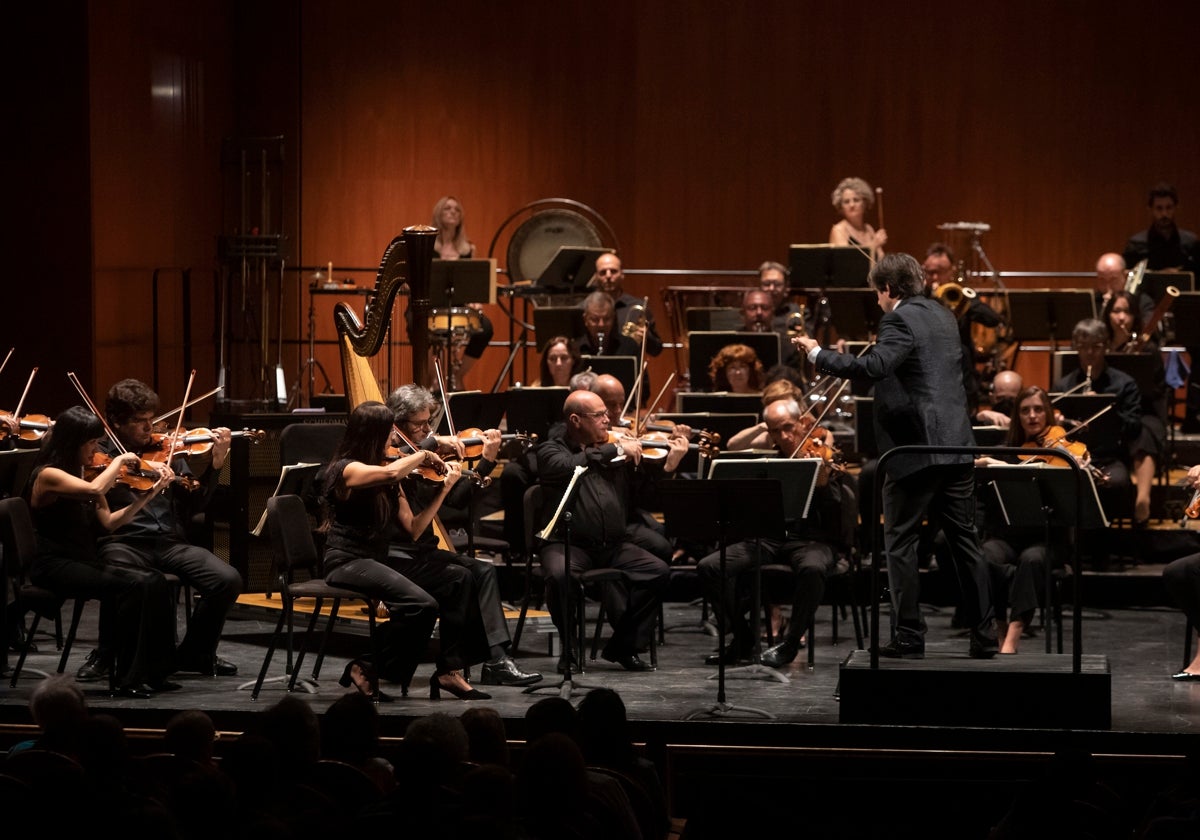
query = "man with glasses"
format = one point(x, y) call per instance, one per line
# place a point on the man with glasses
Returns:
point(418, 559)
point(610, 279)
point(615, 477)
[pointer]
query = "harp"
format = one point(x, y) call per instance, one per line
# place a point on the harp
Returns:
point(406, 261)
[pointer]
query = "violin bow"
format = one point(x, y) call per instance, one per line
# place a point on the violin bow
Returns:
point(637, 386)
point(1084, 424)
point(25, 393)
point(642, 358)
point(92, 407)
point(6, 358)
point(650, 410)
point(437, 369)
point(817, 422)
point(179, 422)
point(187, 404)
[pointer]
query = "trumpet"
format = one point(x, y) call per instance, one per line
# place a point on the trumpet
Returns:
point(637, 320)
point(795, 321)
point(955, 297)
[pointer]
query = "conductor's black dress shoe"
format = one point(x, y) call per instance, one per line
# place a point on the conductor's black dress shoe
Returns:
point(505, 671)
point(781, 654)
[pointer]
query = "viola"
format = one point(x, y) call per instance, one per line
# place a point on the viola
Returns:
point(32, 426)
point(814, 446)
point(433, 473)
point(165, 446)
point(472, 441)
point(1055, 437)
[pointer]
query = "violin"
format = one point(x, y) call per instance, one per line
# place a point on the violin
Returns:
point(1056, 437)
point(32, 427)
point(435, 472)
point(164, 446)
point(1192, 511)
point(655, 445)
point(814, 446)
point(140, 478)
point(472, 441)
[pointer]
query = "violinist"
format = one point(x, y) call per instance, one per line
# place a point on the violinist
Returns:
point(604, 495)
point(757, 436)
point(158, 535)
point(1090, 339)
point(1181, 578)
point(1017, 555)
point(414, 551)
point(65, 507)
point(809, 550)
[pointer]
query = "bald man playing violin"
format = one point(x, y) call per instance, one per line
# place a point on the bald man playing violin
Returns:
point(158, 535)
point(615, 479)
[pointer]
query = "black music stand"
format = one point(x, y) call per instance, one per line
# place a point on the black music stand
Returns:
point(624, 368)
point(1047, 314)
point(1186, 310)
point(722, 512)
point(551, 321)
point(714, 318)
point(797, 481)
point(720, 402)
point(1145, 368)
point(702, 346)
point(473, 410)
point(1051, 498)
point(825, 266)
point(533, 410)
point(853, 313)
point(465, 281)
point(570, 270)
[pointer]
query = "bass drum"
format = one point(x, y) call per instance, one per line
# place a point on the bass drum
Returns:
point(535, 242)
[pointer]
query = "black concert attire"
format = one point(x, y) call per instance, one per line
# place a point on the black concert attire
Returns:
point(808, 548)
point(356, 557)
point(136, 601)
point(603, 497)
point(1181, 578)
point(979, 313)
point(614, 345)
point(915, 364)
point(482, 626)
point(158, 538)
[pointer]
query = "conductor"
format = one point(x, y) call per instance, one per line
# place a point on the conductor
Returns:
point(919, 400)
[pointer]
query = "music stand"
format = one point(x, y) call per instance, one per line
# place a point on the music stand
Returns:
point(797, 478)
point(1145, 368)
point(462, 281)
point(854, 313)
point(533, 410)
point(1186, 310)
point(551, 321)
point(702, 346)
point(714, 318)
point(722, 512)
point(1047, 497)
point(1047, 314)
point(571, 269)
point(625, 368)
point(473, 410)
point(824, 266)
point(719, 402)
point(1154, 283)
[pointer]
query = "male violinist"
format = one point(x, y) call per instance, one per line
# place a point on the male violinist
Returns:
point(158, 537)
point(808, 548)
point(615, 478)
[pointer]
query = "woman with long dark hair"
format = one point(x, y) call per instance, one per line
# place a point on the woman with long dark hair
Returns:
point(69, 510)
point(365, 512)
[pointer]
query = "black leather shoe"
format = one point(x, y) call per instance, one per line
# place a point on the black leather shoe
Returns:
point(982, 647)
point(96, 668)
point(630, 662)
point(896, 649)
point(135, 691)
point(163, 685)
point(211, 666)
point(1184, 676)
point(506, 672)
point(781, 654)
point(732, 657)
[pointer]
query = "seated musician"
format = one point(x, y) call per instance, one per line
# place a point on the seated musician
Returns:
point(1016, 554)
point(602, 497)
point(610, 279)
point(1181, 578)
point(415, 552)
point(601, 336)
point(1124, 321)
point(1090, 338)
point(736, 369)
point(157, 537)
point(1005, 387)
point(809, 550)
point(758, 315)
point(1112, 277)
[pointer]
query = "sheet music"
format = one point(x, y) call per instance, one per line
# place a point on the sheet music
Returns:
point(545, 533)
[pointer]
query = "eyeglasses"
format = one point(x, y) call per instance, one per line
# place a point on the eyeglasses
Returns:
point(419, 424)
point(594, 415)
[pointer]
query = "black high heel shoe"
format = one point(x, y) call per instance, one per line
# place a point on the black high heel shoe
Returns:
point(369, 684)
point(435, 691)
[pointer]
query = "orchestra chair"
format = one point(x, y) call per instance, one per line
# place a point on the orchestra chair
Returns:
point(19, 541)
point(300, 576)
point(582, 582)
